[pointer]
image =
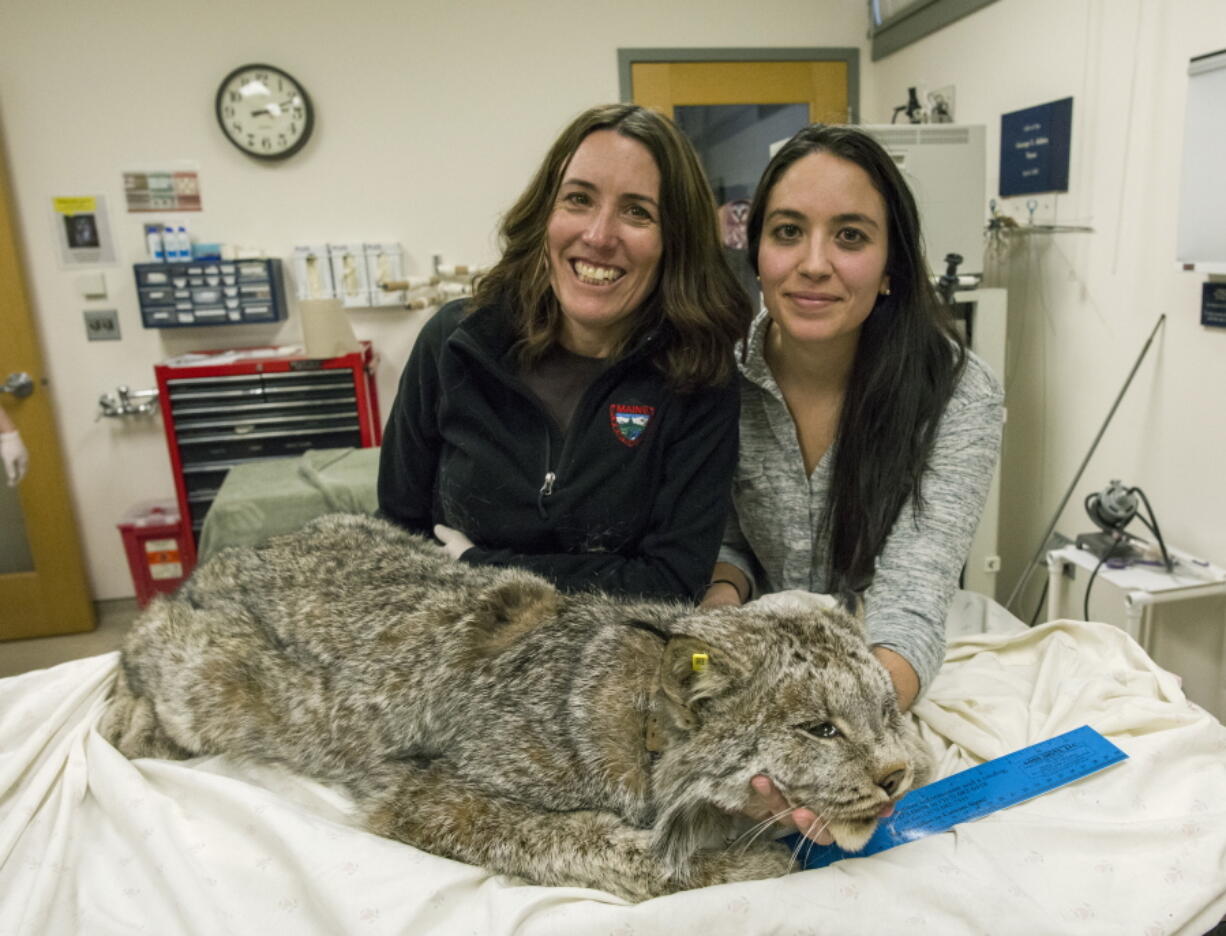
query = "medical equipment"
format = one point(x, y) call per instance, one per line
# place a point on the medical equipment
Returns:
point(913, 109)
point(1112, 510)
point(1046, 538)
point(950, 282)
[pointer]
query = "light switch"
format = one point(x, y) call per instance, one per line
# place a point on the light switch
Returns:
point(92, 285)
point(102, 325)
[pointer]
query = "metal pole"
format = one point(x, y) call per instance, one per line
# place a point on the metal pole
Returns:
point(1021, 582)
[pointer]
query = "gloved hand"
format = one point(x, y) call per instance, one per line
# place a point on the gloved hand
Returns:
point(14, 455)
point(454, 542)
point(797, 599)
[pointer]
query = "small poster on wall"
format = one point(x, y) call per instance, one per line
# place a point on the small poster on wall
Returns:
point(82, 230)
point(1213, 304)
point(1034, 149)
point(162, 191)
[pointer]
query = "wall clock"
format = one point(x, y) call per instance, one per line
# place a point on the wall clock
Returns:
point(264, 111)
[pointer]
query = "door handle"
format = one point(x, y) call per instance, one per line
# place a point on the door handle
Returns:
point(19, 384)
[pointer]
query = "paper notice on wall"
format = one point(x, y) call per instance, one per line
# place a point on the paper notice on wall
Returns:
point(162, 191)
point(82, 230)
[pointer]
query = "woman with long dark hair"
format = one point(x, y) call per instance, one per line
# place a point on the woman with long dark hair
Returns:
point(578, 416)
point(869, 433)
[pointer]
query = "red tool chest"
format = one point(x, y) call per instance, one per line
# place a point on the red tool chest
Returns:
point(224, 408)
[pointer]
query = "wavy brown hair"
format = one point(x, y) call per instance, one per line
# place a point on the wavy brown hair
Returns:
point(908, 362)
point(697, 304)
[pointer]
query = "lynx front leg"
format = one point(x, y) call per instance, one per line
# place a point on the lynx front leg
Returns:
point(131, 725)
point(436, 811)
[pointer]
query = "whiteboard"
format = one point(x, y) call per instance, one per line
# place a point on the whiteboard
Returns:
point(1202, 201)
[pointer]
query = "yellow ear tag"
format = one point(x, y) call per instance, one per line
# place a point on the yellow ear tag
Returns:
point(698, 662)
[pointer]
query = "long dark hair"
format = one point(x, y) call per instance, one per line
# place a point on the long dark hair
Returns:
point(696, 298)
point(908, 362)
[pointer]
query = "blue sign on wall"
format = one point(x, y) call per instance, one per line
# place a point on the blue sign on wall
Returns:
point(1213, 304)
point(1034, 149)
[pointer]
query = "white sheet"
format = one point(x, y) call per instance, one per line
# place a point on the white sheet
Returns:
point(92, 843)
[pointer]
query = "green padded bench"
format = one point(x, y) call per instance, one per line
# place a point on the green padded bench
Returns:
point(279, 495)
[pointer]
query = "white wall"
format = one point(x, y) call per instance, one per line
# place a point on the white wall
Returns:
point(432, 115)
point(1082, 305)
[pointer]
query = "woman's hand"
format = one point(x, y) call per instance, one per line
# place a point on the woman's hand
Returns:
point(719, 594)
point(454, 542)
point(728, 586)
point(807, 822)
point(902, 674)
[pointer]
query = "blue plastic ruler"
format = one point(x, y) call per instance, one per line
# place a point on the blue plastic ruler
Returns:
point(978, 791)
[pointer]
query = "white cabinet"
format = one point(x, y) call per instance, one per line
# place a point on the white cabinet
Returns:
point(982, 317)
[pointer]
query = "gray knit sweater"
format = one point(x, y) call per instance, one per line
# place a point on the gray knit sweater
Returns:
point(772, 533)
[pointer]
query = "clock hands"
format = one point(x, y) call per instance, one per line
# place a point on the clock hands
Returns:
point(273, 108)
point(264, 112)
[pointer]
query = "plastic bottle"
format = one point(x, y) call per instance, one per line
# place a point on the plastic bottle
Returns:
point(184, 243)
point(155, 243)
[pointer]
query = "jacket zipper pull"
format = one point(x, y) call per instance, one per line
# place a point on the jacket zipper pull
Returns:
point(545, 491)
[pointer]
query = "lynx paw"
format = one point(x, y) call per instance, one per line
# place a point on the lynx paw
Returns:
point(758, 862)
point(130, 724)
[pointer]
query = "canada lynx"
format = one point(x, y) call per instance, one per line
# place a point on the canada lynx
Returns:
point(479, 714)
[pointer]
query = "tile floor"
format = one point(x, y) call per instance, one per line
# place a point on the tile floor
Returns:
point(22, 656)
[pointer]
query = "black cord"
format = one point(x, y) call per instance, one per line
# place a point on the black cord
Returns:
point(1037, 608)
point(1085, 607)
point(1166, 558)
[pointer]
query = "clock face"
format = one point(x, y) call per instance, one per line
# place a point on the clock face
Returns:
point(264, 112)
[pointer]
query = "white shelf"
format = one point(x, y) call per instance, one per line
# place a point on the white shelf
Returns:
point(1178, 617)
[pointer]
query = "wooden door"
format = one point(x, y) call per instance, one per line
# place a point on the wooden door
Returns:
point(735, 105)
point(43, 589)
point(822, 85)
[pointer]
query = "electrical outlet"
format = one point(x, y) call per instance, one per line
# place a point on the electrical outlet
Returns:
point(102, 324)
point(940, 105)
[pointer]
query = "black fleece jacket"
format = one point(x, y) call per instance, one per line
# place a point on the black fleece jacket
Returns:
point(631, 500)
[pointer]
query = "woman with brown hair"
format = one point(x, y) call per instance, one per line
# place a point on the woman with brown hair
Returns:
point(578, 416)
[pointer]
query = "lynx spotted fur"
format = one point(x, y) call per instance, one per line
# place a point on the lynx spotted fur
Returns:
point(479, 714)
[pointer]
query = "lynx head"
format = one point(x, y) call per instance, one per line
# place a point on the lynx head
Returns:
point(793, 694)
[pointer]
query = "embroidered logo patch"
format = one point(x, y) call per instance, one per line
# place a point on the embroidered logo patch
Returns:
point(630, 421)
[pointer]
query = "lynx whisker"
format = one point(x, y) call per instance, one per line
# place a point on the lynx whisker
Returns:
point(750, 835)
point(808, 834)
